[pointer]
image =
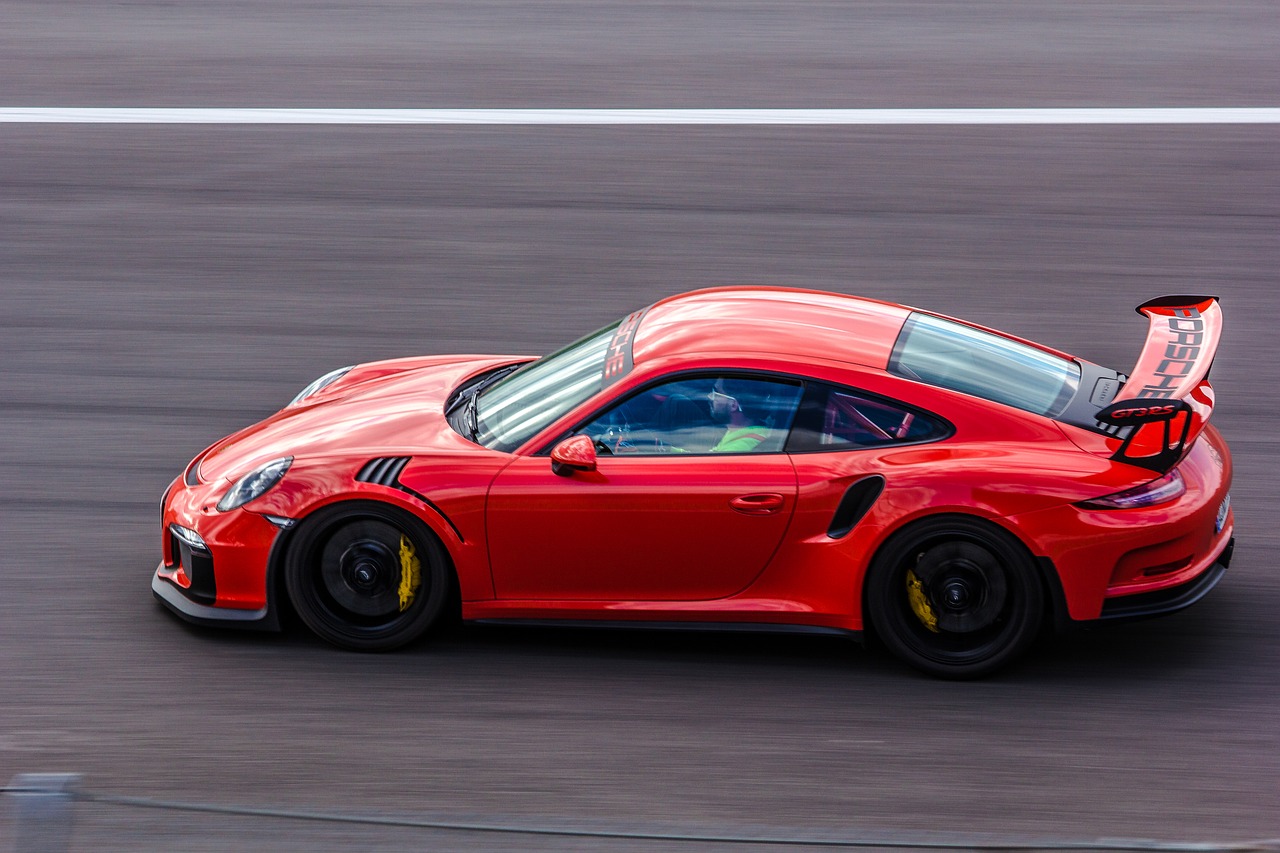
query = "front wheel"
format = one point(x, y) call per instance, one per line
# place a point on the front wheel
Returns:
point(367, 577)
point(955, 597)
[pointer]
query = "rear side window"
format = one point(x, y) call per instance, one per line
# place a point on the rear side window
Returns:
point(961, 358)
point(833, 418)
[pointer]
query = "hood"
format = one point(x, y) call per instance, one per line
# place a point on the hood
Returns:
point(380, 407)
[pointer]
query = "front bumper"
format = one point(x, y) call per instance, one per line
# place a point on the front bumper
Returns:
point(215, 566)
point(170, 595)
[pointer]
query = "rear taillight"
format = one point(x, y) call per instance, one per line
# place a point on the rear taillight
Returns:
point(1167, 488)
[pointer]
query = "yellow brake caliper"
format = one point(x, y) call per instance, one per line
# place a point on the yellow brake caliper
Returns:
point(410, 573)
point(920, 602)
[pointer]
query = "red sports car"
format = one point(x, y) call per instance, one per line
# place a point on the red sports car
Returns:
point(730, 457)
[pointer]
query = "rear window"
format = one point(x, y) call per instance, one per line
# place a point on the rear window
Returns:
point(959, 357)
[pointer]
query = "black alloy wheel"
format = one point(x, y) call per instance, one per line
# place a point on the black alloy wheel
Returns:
point(955, 597)
point(366, 576)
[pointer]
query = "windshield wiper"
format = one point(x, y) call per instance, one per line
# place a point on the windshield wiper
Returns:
point(473, 417)
point(466, 397)
point(473, 403)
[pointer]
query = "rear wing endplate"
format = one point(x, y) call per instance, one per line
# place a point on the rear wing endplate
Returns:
point(1168, 400)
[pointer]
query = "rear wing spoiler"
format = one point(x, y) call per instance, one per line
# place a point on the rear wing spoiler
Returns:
point(1168, 400)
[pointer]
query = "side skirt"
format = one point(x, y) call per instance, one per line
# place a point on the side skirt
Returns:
point(699, 627)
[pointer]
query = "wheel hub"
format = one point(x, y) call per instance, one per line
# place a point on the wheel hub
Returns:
point(956, 595)
point(964, 584)
point(365, 565)
point(364, 576)
point(362, 572)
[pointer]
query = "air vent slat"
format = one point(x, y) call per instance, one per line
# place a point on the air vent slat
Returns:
point(394, 469)
point(383, 471)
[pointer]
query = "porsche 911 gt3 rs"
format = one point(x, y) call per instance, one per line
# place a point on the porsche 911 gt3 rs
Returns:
point(732, 457)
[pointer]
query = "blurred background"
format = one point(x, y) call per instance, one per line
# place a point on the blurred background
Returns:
point(164, 285)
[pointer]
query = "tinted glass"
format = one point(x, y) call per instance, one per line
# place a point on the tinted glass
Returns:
point(700, 415)
point(842, 419)
point(961, 358)
point(518, 407)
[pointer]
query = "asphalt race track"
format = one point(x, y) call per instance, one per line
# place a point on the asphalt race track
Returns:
point(161, 286)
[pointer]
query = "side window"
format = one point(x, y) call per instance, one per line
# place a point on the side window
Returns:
point(701, 415)
point(843, 419)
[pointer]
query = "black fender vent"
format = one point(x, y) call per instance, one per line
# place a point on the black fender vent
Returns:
point(383, 471)
point(858, 498)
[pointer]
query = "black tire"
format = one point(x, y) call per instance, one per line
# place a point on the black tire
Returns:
point(977, 602)
point(350, 576)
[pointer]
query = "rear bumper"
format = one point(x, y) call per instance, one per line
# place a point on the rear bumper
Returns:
point(1170, 599)
point(1118, 563)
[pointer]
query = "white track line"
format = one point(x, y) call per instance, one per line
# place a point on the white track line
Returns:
point(1084, 116)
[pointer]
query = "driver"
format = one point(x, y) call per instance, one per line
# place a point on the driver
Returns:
point(743, 433)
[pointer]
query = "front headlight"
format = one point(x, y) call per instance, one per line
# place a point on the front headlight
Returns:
point(254, 484)
point(320, 384)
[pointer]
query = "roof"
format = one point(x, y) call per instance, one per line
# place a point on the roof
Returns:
point(798, 324)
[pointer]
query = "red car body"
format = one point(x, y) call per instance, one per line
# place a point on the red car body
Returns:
point(951, 521)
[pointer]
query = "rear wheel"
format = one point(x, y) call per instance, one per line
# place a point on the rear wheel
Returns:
point(955, 597)
point(366, 576)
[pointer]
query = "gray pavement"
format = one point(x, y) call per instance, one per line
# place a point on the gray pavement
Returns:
point(163, 286)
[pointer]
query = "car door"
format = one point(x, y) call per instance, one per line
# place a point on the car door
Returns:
point(656, 520)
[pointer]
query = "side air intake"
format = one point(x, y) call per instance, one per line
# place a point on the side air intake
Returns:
point(857, 499)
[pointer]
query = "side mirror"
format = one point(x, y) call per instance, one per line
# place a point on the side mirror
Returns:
point(575, 453)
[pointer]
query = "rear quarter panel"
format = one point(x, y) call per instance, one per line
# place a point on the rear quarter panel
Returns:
point(1000, 464)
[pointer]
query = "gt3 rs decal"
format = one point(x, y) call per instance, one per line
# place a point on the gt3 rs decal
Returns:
point(1125, 413)
point(617, 359)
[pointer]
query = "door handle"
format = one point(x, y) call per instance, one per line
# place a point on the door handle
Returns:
point(766, 504)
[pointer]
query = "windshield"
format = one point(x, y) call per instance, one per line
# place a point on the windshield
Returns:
point(512, 411)
point(962, 358)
